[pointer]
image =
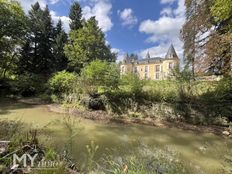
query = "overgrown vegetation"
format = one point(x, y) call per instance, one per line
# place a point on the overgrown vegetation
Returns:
point(99, 87)
point(78, 69)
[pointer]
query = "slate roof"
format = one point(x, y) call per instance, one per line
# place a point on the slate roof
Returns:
point(171, 53)
point(150, 60)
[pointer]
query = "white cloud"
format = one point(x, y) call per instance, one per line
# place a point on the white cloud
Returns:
point(119, 53)
point(65, 20)
point(166, 12)
point(102, 10)
point(161, 27)
point(165, 30)
point(26, 4)
point(115, 50)
point(99, 8)
point(180, 11)
point(167, 1)
point(53, 1)
point(127, 17)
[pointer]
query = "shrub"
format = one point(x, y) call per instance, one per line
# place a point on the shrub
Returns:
point(99, 74)
point(62, 82)
point(132, 83)
point(28, 84)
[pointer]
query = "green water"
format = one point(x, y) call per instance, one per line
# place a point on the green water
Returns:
point(203, 150)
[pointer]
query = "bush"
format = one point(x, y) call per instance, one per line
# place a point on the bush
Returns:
point(99, 74)
point(28, 85)
point(132, 83)
point(62, 82)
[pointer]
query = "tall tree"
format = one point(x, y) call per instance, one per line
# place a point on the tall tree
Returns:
point(12, 31)
point(37, 53)
point(75, 16)
point(198, 23)
point(221, 40)
point(87, 44)
point(60, 39)
point(207, 35)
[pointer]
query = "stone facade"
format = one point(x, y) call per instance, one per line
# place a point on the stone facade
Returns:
point(155, 68)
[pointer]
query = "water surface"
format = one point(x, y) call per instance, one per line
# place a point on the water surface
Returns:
point(205, 150)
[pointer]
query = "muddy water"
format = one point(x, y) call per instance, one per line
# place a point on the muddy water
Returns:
point(203, 150)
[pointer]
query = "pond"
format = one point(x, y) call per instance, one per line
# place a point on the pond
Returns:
point(205, 150)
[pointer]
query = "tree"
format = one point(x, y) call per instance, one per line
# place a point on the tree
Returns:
point(99, 73)
point(221, 40)
point(12, 31)
point(133, 83)
point(222, 11)
point(87, 44)
point(37, 54)
point(75, 16)
point(60, 39)
point(207, 34)
point(198, 23)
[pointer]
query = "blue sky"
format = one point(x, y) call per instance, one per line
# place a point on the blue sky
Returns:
point(129, 26)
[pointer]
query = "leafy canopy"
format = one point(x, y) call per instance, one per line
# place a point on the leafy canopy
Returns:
point(100, 74)
point(87, 44)
point(222, 9)
point(12, 31)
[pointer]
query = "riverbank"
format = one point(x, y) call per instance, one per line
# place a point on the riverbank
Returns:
point(114, 138)
point(105, 117)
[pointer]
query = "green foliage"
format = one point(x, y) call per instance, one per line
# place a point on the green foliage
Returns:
point(184, 75)
point(87, 44)
point(9, 129)
point(145, 160)
point(60, 39)
point(222, 9)
point(75, 16)
point(62, 82)
point(132, 83)
point(91, 149)
point(12, 19)
point(28, 85)
point(161, 91)
point(99, 74)
point(12, 30)
point(36, 55)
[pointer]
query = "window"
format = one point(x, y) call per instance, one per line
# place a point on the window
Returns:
point(146, 72)
point(146, 76)
point(135, 69)
point(170, 65)
point(157, 68)
point(146, 69)
point(157, 76)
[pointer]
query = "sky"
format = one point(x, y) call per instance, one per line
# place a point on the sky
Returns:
point(130, 26)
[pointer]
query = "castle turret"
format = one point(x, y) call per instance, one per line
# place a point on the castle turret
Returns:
point(171, 53)
point(148, 55)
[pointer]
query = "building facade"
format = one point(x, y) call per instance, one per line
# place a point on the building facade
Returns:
point(155, 68)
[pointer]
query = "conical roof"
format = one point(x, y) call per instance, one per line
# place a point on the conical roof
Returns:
point(148, 55)
point(171, 53)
